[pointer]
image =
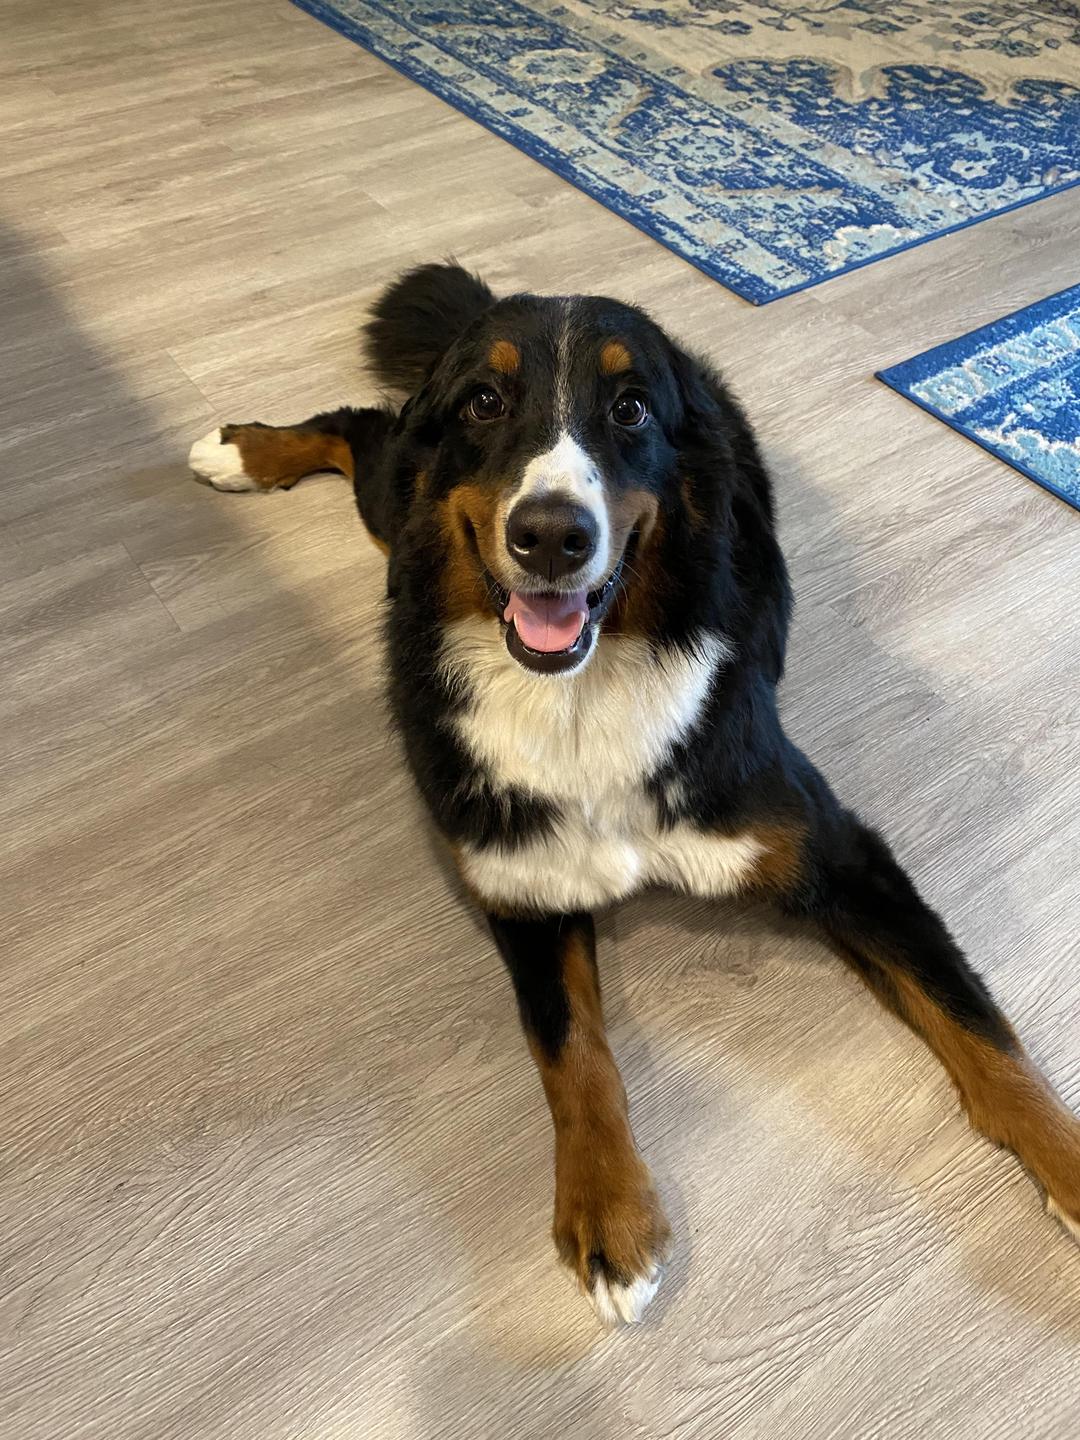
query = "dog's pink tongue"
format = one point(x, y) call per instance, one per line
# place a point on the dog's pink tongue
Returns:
point(548, 622)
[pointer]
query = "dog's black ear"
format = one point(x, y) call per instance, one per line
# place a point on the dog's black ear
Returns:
point(731, 486)
point(417, 318)
point(714, 425)
point(704, 400)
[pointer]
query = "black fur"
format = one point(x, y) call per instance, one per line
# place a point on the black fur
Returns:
point(533, 953)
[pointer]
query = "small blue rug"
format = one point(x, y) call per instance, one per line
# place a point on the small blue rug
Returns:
point(1013, 387)
point(772, 143)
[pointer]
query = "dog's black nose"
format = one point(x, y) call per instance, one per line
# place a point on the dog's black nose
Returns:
point(551, 536)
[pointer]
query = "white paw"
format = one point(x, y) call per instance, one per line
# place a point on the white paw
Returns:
point(1071, 1225)
point(624, 1304)
point(219, 464)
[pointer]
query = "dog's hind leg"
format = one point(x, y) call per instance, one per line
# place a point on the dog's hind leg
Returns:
point(609, 1227)
point(847, 881)
point(271, 457)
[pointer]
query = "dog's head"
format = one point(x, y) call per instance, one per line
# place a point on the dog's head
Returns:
point(578, 469)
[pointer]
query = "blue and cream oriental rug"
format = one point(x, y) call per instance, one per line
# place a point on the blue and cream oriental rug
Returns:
point(1013, 387)
point(772, 143)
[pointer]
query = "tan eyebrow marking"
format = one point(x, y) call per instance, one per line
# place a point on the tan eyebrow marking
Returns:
point(504, 357)
point(614, 358)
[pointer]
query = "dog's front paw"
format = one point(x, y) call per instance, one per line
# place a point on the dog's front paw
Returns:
point(612, 1232)
point(217, 461)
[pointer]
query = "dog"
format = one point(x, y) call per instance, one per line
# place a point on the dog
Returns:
point(587, 617)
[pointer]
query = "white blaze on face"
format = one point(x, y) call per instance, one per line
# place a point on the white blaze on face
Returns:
point(567, 469)
point(562, 368)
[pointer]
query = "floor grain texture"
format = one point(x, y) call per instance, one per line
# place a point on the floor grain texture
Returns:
point(276, 1163)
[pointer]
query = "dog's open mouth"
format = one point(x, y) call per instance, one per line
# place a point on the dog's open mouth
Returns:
point(553, 631)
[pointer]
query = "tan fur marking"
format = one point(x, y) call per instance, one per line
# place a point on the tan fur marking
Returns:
point(1005, 1095)
point(604, 1196)
point(504, 357)
point(467, 520)
point(615, 358)
point(778, 869)
point(276, 458)
point(637, 610)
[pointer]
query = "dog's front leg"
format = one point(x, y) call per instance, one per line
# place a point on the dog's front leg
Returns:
point(609, 1226)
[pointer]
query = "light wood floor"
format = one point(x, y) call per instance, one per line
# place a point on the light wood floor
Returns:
point(275, 1162)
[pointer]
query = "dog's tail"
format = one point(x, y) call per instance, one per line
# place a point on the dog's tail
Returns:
point(417, 318)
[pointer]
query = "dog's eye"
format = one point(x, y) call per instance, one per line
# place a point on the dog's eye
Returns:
point(629, 411)
point(485, 404)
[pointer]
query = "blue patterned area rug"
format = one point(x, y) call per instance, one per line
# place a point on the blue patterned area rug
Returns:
point(1014, 387)
point(772, 143)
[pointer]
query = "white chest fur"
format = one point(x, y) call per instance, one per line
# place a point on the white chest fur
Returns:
point(589, 743)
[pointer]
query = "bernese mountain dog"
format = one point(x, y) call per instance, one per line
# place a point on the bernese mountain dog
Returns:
point(587, 617)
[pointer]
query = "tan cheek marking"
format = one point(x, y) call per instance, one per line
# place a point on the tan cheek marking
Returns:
point(275, 457)
point(504, 357)
point(467, 506)
point(636, 509)
point(637, 610)
point(615, 358)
